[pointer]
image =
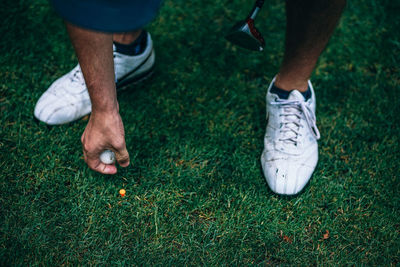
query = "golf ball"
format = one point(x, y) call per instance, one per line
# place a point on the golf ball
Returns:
point(107, 157)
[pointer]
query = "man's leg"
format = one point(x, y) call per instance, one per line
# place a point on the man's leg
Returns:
point(290, 144)
point(310, 24)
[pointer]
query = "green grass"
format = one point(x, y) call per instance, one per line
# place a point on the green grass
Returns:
point(195, 191)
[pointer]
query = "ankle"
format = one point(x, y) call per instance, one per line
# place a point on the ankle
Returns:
point(290, 83)
point(134, 48)
point(126, 38)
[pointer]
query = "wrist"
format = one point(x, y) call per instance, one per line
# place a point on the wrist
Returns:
point(103, 98)
point(110, 108)
point(105, 113)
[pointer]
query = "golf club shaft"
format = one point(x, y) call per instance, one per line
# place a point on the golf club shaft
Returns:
point(257, 6)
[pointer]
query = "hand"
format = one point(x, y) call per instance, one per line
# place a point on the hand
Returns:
point(104, 131)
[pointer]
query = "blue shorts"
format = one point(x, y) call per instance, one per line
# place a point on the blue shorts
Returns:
point(108, 15)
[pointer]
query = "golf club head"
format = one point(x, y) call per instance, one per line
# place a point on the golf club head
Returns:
point(246, 35)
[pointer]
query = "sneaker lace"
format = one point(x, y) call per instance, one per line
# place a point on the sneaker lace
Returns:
point(77, 76)
point(293, 111)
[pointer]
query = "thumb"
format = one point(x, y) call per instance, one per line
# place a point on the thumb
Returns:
point(122, 157)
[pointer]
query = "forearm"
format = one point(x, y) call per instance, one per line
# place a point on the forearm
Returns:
point(94, 52)
point(105, 129)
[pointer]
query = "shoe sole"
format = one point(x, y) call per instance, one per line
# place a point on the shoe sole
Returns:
point(123, 85)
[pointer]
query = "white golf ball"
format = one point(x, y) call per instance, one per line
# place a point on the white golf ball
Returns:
point(107, 157)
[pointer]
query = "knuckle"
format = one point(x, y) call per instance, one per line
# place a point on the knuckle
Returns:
point(123, 157)
point(120, 145)
point(87, 147)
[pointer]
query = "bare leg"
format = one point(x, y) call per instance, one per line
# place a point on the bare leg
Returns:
point(310, 24)
point(105, 129)
point(126, 37)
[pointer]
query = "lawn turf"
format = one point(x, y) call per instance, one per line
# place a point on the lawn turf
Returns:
point(195, 191)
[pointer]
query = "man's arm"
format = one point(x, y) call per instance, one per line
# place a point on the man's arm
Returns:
point(105, 129)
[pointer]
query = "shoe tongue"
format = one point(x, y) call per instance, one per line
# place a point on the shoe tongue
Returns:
point(296, 95)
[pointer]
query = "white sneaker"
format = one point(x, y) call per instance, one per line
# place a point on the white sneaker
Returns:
point(290, 143)
point(67, 99)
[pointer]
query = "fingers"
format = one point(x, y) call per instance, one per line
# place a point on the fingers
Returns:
point(122, 157)
point(92, 159)
point(100, 167)
point(94, 163)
